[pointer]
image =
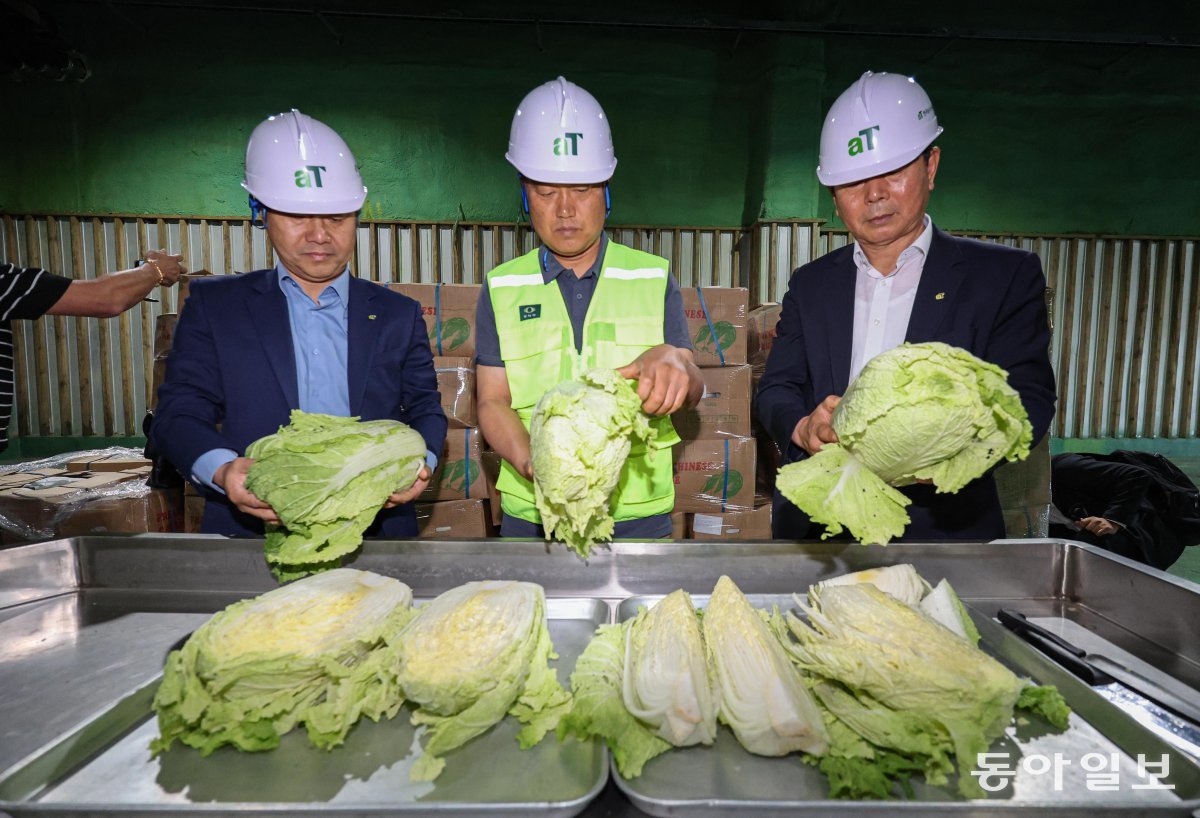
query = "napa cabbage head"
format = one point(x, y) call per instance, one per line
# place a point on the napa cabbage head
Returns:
point(470, 656)
point(762, 696)
point(327, 477)
point(666, 682)
point(644, 686)
point(918, 412)
point(580, 436)
point(318, 652)
point(902, 680)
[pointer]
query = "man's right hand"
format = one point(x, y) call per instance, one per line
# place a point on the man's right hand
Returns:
point(816, 429)
point(231, 477)
point(1097, 525)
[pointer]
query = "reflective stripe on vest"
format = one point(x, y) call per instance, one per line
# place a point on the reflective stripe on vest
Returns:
point(624, 319)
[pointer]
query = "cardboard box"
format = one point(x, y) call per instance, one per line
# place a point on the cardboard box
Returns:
point(760, 333)
point(164, 333)
point(742, 524)
point(679, 525)
point(724, 409)
point(449, 311)
point(184, 287)
point(160, 510)
point(69, 504)
point(716, 319)
point(160, 375)
point(491, 469)
point(112, 462)
point(193, 509)
point(709, 480)
point(460, 474)
point(456, 383)
point(453, 520)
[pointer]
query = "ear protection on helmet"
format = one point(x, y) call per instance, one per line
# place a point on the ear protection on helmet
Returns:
point(258, 213)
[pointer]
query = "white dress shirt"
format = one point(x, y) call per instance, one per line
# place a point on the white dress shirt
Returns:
point(883, 301)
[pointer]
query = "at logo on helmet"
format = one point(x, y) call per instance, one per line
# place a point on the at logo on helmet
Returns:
point(309, 176)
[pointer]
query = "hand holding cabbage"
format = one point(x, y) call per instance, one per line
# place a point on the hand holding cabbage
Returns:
point(917, 413)
point(327, 477)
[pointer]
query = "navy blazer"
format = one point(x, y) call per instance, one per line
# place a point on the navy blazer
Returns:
point(231, 379)
point(985, 298)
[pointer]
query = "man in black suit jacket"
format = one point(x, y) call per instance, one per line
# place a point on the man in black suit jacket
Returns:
point(901, 280)
point(1101, 501)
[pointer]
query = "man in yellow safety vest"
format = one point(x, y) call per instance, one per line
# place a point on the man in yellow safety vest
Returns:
point(576, 302)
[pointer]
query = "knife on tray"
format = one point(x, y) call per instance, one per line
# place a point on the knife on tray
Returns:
point(1168, 715)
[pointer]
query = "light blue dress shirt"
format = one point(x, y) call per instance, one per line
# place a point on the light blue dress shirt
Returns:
point(320, 343)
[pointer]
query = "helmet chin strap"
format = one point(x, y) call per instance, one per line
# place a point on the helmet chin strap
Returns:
point(258, 213)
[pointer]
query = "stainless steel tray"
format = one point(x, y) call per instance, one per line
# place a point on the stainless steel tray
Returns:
point(724, 779)
point(86, 622)
point(104, 766)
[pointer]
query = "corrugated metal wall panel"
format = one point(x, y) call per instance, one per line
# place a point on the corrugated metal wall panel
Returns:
point(84, 376)
point(1126, 345)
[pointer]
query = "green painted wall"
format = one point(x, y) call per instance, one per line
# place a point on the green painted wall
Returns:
point(711, 128)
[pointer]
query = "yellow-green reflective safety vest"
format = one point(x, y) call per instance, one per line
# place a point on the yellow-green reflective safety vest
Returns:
point(624, 319)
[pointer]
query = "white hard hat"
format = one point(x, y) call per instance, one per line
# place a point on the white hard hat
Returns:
point(560, 135)
point(880, 123)
point(296, 164)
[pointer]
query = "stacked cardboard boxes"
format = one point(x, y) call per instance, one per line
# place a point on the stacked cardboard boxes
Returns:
point(456, 505)
point(760, 326)
point(715, 464)
point(164, 334)
point(61, 502)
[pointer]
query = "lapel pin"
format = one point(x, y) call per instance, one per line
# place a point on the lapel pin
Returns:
point(372, 317)
point(937, 297)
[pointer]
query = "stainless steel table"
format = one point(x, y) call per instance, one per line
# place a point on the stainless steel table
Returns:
point(86, 623)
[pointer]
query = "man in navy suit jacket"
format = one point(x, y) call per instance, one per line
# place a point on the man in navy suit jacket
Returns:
point(902, 280)
point(250, 348)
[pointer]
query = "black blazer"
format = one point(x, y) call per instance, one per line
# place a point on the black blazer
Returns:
point(1085, 485)
point(986, 298)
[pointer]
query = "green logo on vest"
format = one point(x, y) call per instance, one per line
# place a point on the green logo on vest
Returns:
point(567, 144)
point(530, 311)
point(309, 176)
point(855, 145)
